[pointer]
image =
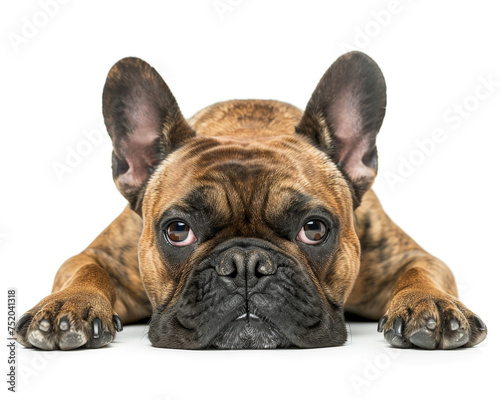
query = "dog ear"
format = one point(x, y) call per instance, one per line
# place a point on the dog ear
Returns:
point(344, 115)
point(144, 123)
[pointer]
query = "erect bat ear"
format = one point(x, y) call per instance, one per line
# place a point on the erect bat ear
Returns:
point(344, 115)
point(144, 123)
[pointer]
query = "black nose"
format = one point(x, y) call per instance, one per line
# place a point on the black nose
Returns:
point(245, 263)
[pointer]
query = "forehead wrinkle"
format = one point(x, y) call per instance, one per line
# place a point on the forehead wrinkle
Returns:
point(243, 188)
point(288, 200)
point(255, 184)
point(243, 185)
point(285, 161)
point(208, 199)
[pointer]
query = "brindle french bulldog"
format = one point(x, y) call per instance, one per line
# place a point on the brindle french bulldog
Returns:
point(253, 225)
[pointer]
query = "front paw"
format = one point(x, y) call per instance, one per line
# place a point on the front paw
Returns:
point(430, 320)
point(69, 319)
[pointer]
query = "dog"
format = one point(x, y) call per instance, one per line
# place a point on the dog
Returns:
point(251, 226)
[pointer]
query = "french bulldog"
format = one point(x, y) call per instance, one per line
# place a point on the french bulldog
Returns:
point(252, 225)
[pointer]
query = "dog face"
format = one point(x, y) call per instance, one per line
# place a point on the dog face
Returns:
point(248, 238)
point(245, 237)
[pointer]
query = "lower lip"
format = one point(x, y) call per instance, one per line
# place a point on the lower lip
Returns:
point(249, 316)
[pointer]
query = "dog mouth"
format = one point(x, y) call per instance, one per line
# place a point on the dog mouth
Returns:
point(247, 316)
point(246, 310)
point(249, 330)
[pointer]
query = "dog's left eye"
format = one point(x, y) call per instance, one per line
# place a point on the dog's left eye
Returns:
point(179, 234)
point(313, 232)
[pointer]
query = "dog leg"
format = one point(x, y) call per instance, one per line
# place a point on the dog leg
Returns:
point(413, 292)
point(92, 293)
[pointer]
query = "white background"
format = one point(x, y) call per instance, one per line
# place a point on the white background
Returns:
point(434, 56)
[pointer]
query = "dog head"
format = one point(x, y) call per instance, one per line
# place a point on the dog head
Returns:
point(248, 238)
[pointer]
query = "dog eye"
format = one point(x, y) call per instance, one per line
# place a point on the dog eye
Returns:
point(313, 232)
point(179, 234)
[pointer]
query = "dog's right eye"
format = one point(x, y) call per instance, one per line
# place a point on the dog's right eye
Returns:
point(313, 232)
point(179, 234)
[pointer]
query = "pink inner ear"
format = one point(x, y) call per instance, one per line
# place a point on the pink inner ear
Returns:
point(352, 162)
point(138, 147)
point(350, 144)
point(139, 154)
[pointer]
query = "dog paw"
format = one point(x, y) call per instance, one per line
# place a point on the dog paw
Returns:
point(430, 321)
point(67, 320)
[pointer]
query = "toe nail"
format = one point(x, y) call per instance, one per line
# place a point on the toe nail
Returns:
point(479, 322)
point(398, 327)
point(64, 324)
point(25, 318)
point(44, 325)
point(454, 325)
point(96, 327)
point(431, 324)
point(381, 323)
point(118, 323)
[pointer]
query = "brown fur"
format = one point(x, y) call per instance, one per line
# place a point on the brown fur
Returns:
point(257, 147)
point(383, 271)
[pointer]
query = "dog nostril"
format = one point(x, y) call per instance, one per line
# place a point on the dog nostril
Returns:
point(246, 264)
point(230, 264)
point(227, 269)
point(261, 264)
point(233, 274)
point(265, 269)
